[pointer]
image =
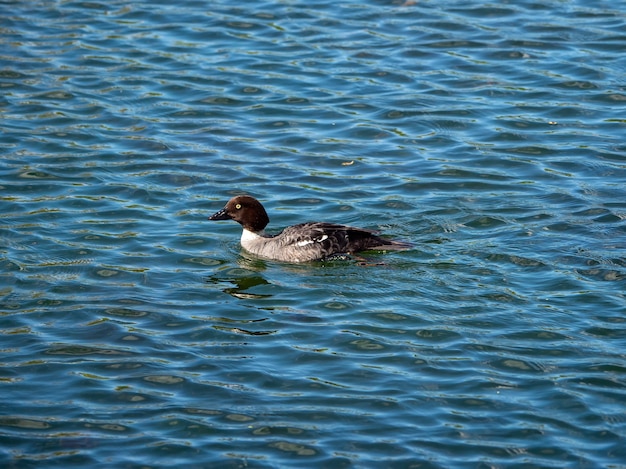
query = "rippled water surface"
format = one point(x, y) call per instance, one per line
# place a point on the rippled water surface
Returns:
point(136, 333)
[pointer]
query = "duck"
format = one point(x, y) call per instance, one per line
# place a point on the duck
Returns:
point(310, 241)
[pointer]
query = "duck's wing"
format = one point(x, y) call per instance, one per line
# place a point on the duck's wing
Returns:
point(321, 240)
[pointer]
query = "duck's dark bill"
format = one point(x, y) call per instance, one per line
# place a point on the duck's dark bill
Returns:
point(221, 215)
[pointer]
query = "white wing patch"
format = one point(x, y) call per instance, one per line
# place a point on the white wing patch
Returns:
point(306, 242)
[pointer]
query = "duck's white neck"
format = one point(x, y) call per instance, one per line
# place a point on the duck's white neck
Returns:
point(249, 236)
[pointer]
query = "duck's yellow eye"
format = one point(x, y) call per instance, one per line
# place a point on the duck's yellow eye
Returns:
point(238, 206)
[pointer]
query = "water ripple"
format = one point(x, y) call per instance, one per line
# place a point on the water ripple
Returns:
point(491, 136)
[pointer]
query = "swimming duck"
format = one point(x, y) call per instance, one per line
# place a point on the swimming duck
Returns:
point(299, 243)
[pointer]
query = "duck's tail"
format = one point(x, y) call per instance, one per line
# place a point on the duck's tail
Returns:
point(392, 245)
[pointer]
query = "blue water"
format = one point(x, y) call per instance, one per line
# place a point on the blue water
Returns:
point(135, 333)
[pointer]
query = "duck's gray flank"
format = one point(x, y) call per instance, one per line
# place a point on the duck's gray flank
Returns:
point(299, 243)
